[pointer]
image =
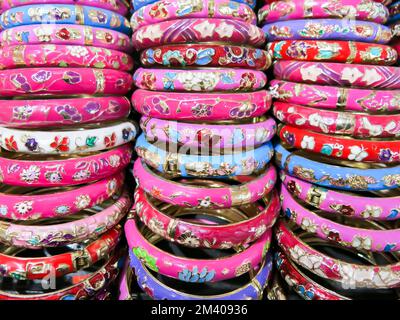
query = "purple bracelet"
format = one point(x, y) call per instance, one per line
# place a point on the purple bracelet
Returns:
point(328, 29)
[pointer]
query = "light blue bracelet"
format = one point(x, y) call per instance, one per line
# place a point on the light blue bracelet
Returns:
point(64, 14)
point(337, 177)
point(215, 166)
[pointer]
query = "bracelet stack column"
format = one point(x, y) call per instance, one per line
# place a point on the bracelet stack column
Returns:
point(66, 142)
point(205, 202)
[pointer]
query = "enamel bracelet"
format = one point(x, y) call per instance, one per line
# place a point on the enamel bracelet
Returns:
point(60, 172)
point(63, 14)
point(386, 151)
point(206, 55)
point(360, 125)
point(186, 165)
point(67, 142)
point(63, 81)
point(66, 34)
point(196, 270)
point(330, 201)
point(338, 74)
point(52, 55)
point(328, 29)
point(343, 9)
point(201, 106)
point(165, 10)
point(326, 97)
point(197, 31)
point(30, 207)
point(335, 176)
point(138, 4)
point(333, 51)
point(211, 236)
point(184, 194)
point(203, 80)
point(228, 135)
point(62, 112)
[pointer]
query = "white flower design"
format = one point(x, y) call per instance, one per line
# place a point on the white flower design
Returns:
point(311, 73)
point(24, 207)
point(77, 51)
point(308, 143)
point(374, 130)
point(225, 30)
point(205, 28)
point(205, 203)
point(82, 201)
point(43, 33)
point(371, 76)
point(151, 32)
point(371, 212)
point(357, 153)
point(31, 174)
point(351, 74)
point(198, 81)
point(308, 225)
point(361, 243)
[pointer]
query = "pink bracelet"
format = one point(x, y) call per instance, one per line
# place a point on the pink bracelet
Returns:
point(91, 227)
point(201, 106)
point(335, 97)
point(113, 5)
point(207, 80)
point(197, 31)
point(186, 195)
point(66, 34)
point(182, 268)
point(343, 123)
point(166, 10)
point(343, 9)
point(338, 74)
point(351, 237)
point(64, 172)
point(59, 204)
point(228, 136)
point(52, 55)
point(61, 81)
point(368, 208)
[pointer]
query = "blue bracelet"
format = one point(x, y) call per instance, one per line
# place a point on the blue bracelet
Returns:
point(215, 166)
point(159, 291)
point(64, 14)
point(395, 17)
point(337, 177)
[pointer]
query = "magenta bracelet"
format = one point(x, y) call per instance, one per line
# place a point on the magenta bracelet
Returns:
point(65, 112)
point(210, 135)
point(61, 81)
point(64, 172)
point(66, 34)
point(201, 106)
point(203, 80)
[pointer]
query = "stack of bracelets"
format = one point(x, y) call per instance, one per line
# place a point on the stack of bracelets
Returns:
point(339, 168)
point(205, 202)
point(394, 22)
point(65, 137)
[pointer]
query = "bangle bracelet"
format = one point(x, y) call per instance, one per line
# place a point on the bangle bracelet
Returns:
point(197, 31)
point(57, 235)
point(328, 29)
point(368, 208)
point(217, 236)
point(195, 270)
point(338, 74)
point(203, 80)
point(54, 205)
point(201, 106)
point(61, 172)
point(343, 123)
point(206, 55)
point(38, 268)
point(326, 97)
point(62, 112)
point(64, 14)
point(62, 81)
point(343, 9)
point(183, 165)
point(166, 11)
point(253, 134)
point(394, 11)
point(340, 147)
point(116, 6)
point(66, 34)
point(334, 176)
point(347, 236)
point(159, 291)
point(333, 51)
point(67, 142)
point(52, 55)
point(187, 195)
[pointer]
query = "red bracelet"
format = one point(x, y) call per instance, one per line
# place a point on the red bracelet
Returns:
point(387, 151)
